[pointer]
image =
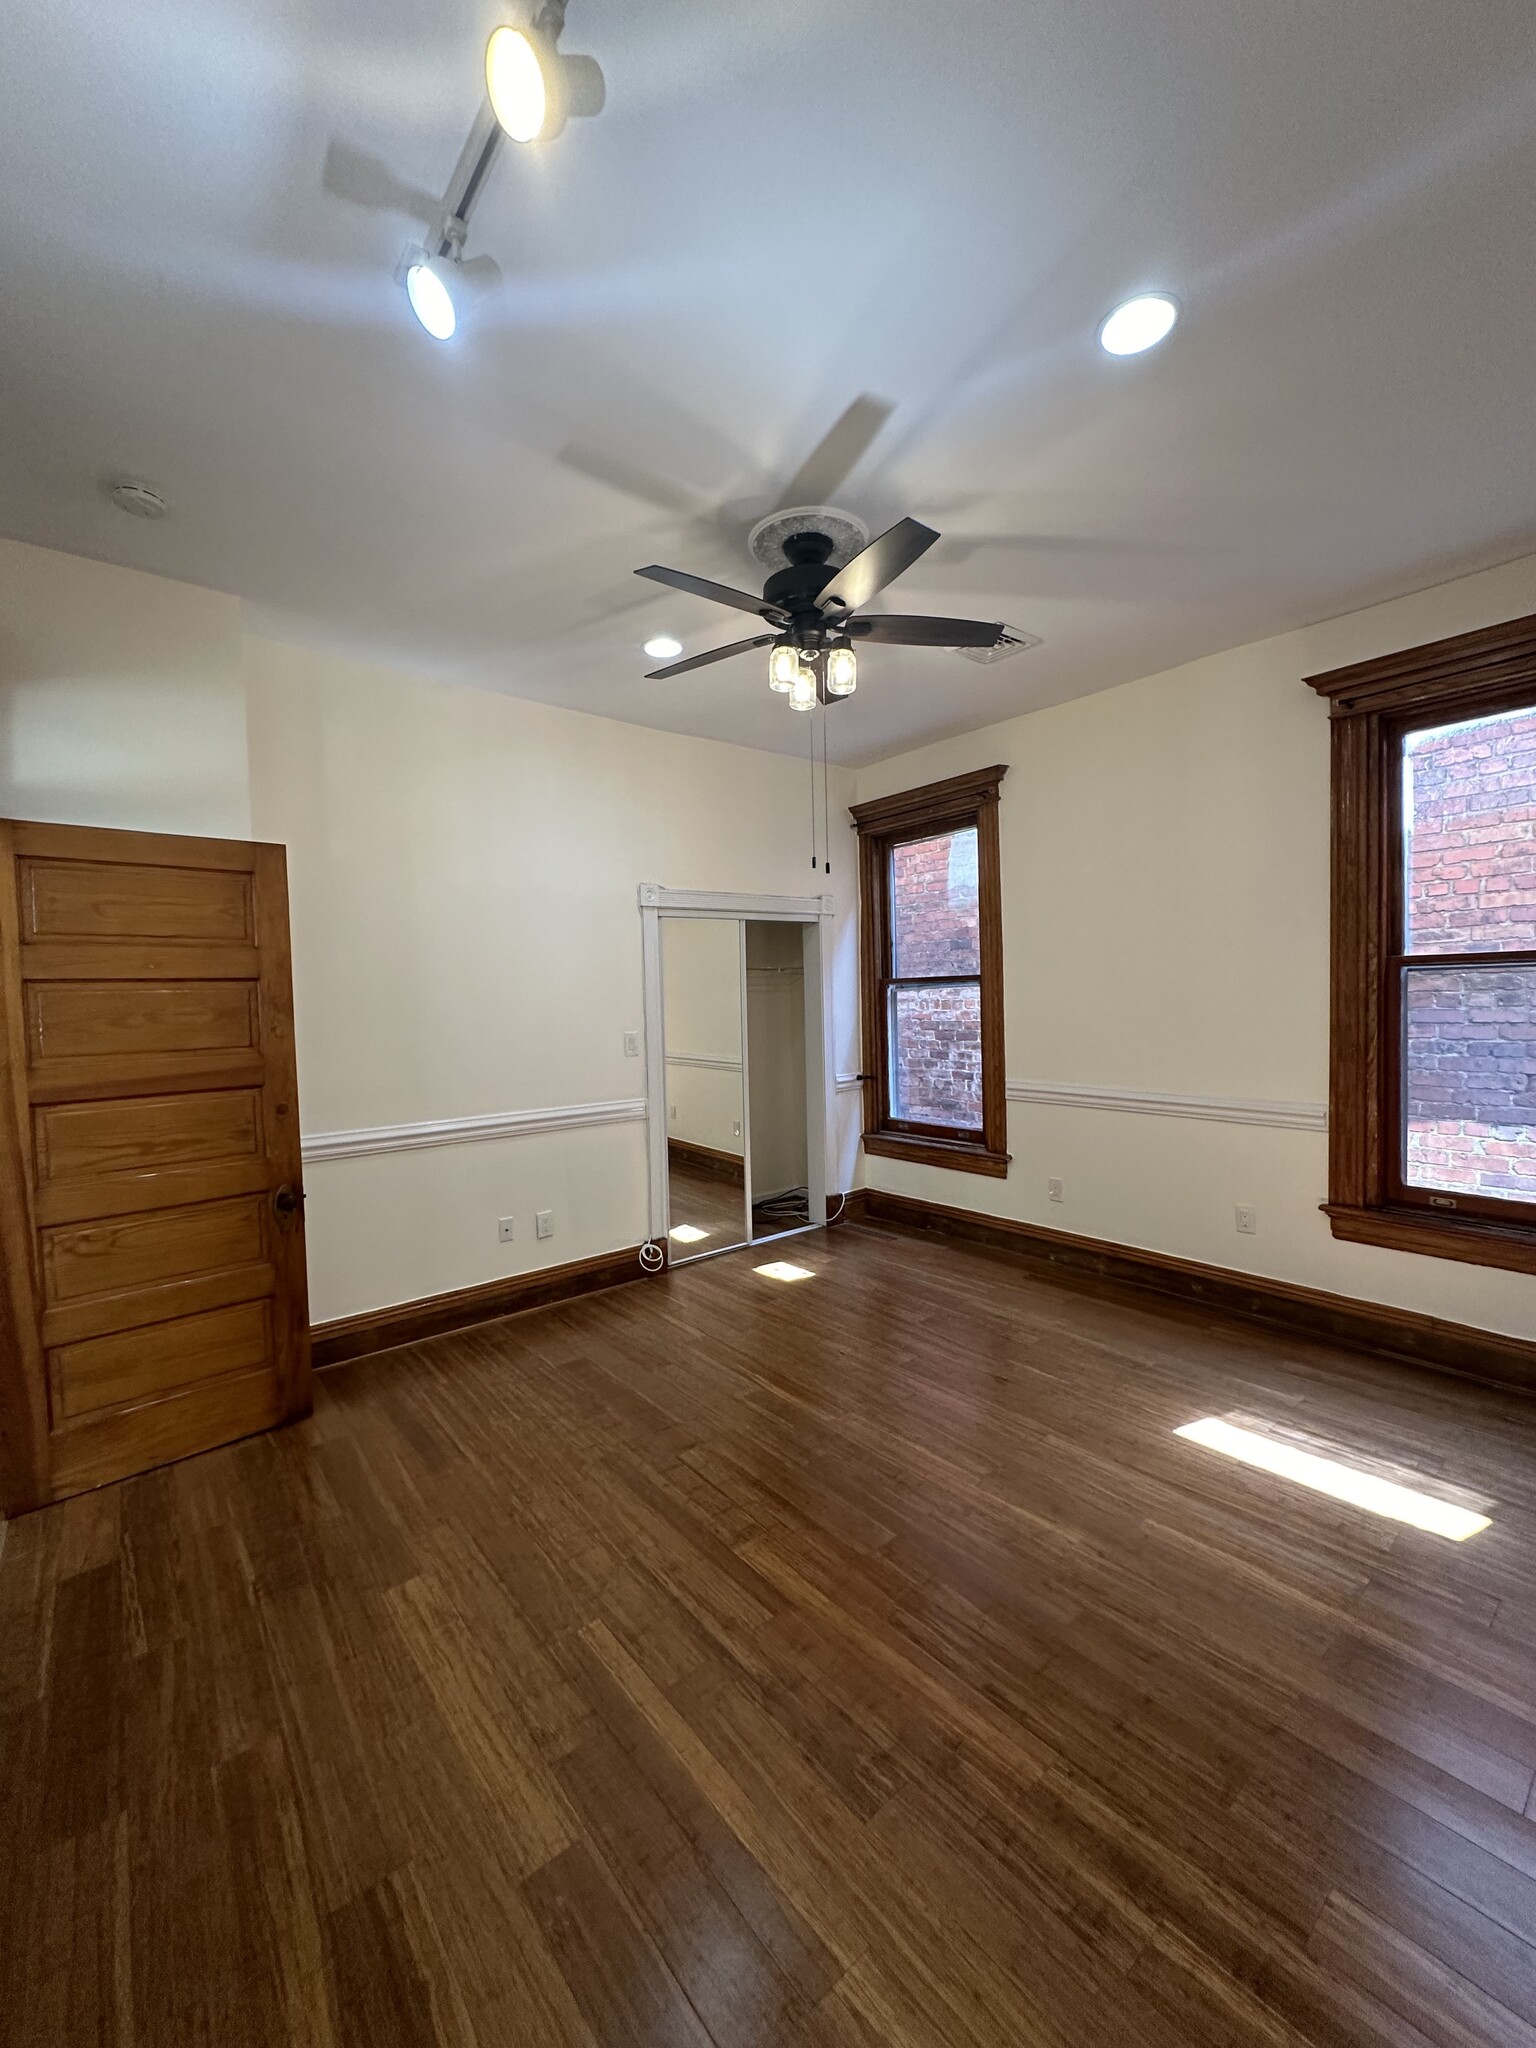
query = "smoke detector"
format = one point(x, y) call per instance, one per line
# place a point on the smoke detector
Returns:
point(848, 534)
point(138, 499)
point(1014, 641)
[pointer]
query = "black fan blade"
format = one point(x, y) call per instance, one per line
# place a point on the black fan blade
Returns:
point(881, 563)
point(916, 632)
point(839, 451)
point(681, 668)
point(720, 593)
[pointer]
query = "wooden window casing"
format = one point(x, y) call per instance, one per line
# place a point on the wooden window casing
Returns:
point(1373, 706)
point(883, 824)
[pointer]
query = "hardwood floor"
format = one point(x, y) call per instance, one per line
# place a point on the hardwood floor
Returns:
point(723, 1661)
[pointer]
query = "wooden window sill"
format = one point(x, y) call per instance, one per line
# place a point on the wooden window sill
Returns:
point(1477, 1241)
point(959, 1154)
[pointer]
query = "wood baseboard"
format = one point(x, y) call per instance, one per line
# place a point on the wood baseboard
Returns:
point(408, 1322)
point(1508, 1362)
point(706, 1159)
point(854, 1210)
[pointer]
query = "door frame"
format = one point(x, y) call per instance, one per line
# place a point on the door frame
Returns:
point(813, 912)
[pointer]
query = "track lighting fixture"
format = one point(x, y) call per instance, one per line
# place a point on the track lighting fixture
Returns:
point(444, 289)
point(533, 90)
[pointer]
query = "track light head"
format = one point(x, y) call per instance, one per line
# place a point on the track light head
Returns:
point(533, 90)
point(445, 290)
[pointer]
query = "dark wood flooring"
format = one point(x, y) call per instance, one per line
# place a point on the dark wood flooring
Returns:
point(721, 1661)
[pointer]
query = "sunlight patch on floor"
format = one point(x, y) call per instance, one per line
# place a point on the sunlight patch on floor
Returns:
point(782, 1269)
point(1341, 1481)
point(687, 1233)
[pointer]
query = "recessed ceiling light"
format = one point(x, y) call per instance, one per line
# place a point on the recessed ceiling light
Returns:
point(663, 647)
point(1141, 323)
point(1341, 1481)
point(782, 1269)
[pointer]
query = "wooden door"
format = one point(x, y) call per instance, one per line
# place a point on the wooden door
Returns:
point(151, 1216)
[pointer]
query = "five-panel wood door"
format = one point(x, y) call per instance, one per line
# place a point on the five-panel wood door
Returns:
point(151, 1202)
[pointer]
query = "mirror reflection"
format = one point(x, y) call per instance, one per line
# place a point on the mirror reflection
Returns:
point(701, 961)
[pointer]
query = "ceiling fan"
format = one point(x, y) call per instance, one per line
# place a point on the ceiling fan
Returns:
point(815, 602)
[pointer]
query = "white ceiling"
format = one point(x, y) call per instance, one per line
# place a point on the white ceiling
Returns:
point(785, 204)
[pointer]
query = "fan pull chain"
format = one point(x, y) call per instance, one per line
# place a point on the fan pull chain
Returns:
point(826, 816)
point(811, 723)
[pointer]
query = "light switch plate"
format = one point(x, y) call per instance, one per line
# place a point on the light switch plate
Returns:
point(544, 1222)
point(631, 1045)
point(504, 1230)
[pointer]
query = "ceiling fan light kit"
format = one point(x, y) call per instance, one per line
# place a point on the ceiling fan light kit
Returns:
point(815, 605)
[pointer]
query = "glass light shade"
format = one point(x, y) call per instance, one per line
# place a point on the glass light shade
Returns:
point(783, 667)
point(842, 672)
point(802, 693)
point(1139, 324)
point(518, 73)
point(431, 300)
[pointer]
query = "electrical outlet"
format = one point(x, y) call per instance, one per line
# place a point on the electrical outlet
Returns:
point(544, 1223)
point(1055, 1190)
point(504, 1230)
point(1247, 1221)
point(631, 1045)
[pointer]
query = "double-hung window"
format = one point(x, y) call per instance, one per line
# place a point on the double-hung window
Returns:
point(932, 975)
point(1433, 1103)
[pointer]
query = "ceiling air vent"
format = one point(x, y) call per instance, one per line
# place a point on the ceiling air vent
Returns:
point(1013, 642)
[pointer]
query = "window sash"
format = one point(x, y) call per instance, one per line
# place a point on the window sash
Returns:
point(965, 1134)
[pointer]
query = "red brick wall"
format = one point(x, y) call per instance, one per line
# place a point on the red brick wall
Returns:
point(1470, 1082)
point(936, 1077)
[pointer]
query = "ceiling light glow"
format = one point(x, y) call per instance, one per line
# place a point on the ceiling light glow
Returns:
point(519, 69)
point(663, 647)
point(1340, 1481)
point(802, 691)
point(842, 672)
point(431, 300)
point(783, 667)
point(783, 1269)
point(1141, 323)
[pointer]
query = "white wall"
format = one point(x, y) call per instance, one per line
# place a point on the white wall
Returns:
point(1165, 913)
point(776, 1056)
point(121, 701)
point(462, 872)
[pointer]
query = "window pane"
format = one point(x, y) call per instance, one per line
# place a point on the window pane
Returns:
point(1469, 1072)
point(935, 914)
point(1469, 836)
point(935, 1055)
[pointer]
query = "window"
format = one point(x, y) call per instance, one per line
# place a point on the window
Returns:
point(1433, 1098)
point(930, 901)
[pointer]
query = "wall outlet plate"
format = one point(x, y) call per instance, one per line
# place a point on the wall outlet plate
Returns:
point(504, 1229)
point(544, 1223)
point(1247, 1221)
point(1055, 1191)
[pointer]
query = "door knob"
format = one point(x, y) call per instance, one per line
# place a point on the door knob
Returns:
point(287, 1201)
